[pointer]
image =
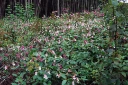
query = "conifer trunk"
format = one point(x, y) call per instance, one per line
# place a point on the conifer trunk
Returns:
point(45, 7)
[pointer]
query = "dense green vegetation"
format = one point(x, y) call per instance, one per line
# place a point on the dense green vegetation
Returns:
point(89, 48)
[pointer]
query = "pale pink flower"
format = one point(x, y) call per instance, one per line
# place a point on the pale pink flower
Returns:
point(64, 56)
point(74, 40)
point(88, 34)
point(6, 55)
point(18, 47)
point(58, 75)
point(56, 33)
point(46, 54)
point(1, 48)
point(74, 77)
point(13, 64)
point(39, 58)
point(82, 24)
point(46, 39)
point(26, 53)
point(77, 79)
point(49, 72)
point(35, 73)
point(45, 76)
point(60, 49)
point(22, 48)
point(69, 26)
point(60, 66)
point(59, 41)
point(53, 52)
point(53, 38)
point(39, 40)
point(60, 36)
point(63, 30)
point(1, 58)
point(73, 83)
point(69, 71)
point(85, 42)
point(101, 15)
point(6, 67)
point(18, 55)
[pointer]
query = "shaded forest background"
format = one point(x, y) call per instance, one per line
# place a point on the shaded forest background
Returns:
point(46, 7)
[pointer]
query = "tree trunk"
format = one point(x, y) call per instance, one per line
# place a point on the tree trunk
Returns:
point(58, 7)
point(45, 7)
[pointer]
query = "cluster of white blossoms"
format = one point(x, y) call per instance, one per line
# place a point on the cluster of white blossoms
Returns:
point(123, 1)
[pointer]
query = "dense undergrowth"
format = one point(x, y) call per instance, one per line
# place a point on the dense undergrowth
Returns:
point(74, 49)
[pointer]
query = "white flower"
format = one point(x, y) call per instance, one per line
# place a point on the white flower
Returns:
point(82, 24)
point(59, 42)
point(123, 1)
point(18, 47)
point(58, 75)
point(49, 72)
point(1, 48)
point(5, 67)
point(69, 26)
point(13, 64)
point(56, 33)
point(74, 77)
point(49, 44)
point(39, 67)
point(88, 34)
point(73, 83)
point(35, 73)
point(53, 52)
point(39, 40)
point(77, 79)
point(46, 54)
point(45, 76)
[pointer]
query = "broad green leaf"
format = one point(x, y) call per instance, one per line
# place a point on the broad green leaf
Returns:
point(14, 75)
point(124, 74)
point(63, 75)
point(35, 83)
point(40, 78)
point(23, 83)
point(118, 14)
point(118, 82)
point(64, 82)
point(34, 77)
point(14, 84)
point(125, 68)
point(22, 74)
point(114, 2)
point(17, 80)
point(44, 83)
point(126, 82)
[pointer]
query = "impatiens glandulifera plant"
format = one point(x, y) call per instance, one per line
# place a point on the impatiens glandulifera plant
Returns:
point(67, 50)
point(116, 18)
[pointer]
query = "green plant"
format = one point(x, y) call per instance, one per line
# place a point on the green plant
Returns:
point(20, 12)
point(16, 23)
point(67, 50)
point(115, 20)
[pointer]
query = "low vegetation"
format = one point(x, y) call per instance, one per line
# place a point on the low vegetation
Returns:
point(73, 49)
